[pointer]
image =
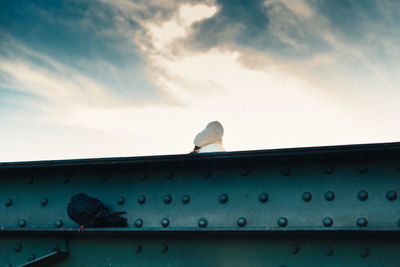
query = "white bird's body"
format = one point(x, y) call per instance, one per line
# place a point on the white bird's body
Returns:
point(211, 148)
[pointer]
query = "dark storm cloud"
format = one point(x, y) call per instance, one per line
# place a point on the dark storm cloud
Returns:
point(273, 27)
point(63, 30)
point(246, 18)
point(85, 36)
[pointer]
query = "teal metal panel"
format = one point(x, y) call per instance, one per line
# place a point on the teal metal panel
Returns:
point(208, 251)
point(252, 204)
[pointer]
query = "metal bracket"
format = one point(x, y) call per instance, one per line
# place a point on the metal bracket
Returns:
point(48, 259)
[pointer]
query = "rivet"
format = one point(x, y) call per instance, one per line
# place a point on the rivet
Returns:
point(30, 180)
point(185, 199)
point(241, 221)
point(142, 199)
point(170, 175)
point(18, 247)
point(167, 199)
point(329, 196)
point(22, 223)
point(327, 221)
point(307, 196)
point(207, 174)
point(362, 195)
point(363, 168)
point(223, 198)
point(364, 252)
point(32, 257)
point(138, 248)
point(285, 171)
point(282, 221)
point(59, 223)
point(293, 249)
point(329, 170)
point(362, 222)
point(139, 223)
point(121, 200)
point(391, 195)
point(244, 172)
point(8, 202)
point(164, 222)
point(263, 197)
point(44, 201)
point(202, 223)
point(164, 248)
point(328, 251)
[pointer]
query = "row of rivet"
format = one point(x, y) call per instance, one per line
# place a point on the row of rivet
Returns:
point(241, 221)
point(362, 195)
point(223, 198)
point(328, 251)
point(293, 249)
point(285, 171)
point(263, 197)
point(22, 223)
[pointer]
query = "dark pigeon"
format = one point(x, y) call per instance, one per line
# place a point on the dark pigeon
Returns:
point(91, 212)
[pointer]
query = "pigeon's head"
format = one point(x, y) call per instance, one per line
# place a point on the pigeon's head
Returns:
point(212, 134)
point(79, 196)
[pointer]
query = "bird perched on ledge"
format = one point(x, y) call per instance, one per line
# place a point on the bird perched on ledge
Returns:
point(210, 139)
point(91, 212)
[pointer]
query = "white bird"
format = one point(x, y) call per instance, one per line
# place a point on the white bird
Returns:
point(210, 139)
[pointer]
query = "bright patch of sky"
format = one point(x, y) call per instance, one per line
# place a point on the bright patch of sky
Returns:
point(125, 78)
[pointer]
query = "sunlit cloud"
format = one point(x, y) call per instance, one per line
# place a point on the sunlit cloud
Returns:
point(217, 83)
point(278, 73)
point(178, 26)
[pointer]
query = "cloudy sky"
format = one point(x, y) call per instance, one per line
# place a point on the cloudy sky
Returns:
point(105, 78)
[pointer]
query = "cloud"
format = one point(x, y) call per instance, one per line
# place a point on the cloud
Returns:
point(51, 80)
point(261, 98)
point(276, 73)
point(178, 26)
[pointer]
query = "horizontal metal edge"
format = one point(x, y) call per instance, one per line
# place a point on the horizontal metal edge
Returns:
point(287, 152)
point(308, 233)
point(208, 229)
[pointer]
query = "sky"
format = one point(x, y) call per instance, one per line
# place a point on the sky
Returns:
point(114, 78)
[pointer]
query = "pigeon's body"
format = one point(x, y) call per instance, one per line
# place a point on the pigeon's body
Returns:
point(91, 212)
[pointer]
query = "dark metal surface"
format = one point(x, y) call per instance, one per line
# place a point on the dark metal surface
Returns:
point(228, 192)
point(212, 251)
point(275, 194)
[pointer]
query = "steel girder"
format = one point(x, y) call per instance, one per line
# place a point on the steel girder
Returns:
point(254, 208)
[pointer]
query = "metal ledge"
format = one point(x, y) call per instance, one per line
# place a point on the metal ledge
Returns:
point(392, 148)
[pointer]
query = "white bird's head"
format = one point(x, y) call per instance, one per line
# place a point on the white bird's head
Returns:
point(212, 134)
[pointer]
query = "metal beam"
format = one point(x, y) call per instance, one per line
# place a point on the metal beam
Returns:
point(339, 190)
